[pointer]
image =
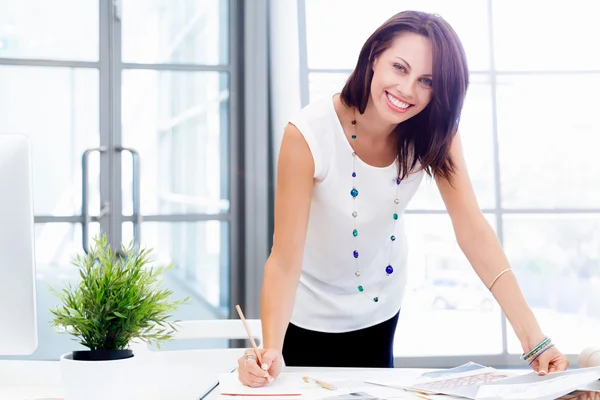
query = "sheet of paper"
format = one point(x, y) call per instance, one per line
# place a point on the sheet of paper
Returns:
point(590, 387)
point(293, 387)
point(535, 387)
point(462, 381)
point(284, 385)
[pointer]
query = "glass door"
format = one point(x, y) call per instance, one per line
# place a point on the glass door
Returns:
point(128, 107)
point(175, 80)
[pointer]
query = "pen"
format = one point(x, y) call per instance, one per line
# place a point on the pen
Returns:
point(254, 346)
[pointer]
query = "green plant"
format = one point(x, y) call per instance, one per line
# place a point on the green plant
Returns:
point(117, 299)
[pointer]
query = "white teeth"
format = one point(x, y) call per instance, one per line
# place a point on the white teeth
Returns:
point(396, 102)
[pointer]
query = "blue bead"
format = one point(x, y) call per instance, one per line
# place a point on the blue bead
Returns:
point(398, 181)
point(354, 174)
point(392, 238)
point(354, 192)
point(355, 254)
point(389, 270)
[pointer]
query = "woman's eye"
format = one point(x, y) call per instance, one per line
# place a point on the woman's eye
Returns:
point(427, 81)
point(399, 67)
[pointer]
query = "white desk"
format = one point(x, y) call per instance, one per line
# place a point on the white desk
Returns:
point(172, 375)
point(168, 375)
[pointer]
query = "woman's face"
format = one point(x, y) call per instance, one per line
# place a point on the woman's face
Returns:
point(402, 76)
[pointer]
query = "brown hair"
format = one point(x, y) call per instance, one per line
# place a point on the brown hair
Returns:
point(427, 136)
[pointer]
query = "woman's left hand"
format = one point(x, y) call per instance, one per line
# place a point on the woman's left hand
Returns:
point(551, 360)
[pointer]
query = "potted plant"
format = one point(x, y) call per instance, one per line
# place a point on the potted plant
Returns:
point(117, 300)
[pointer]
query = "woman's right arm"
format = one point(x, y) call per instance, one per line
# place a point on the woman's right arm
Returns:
point(293, 194)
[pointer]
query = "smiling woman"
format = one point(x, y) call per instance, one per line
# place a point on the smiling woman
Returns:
point(348, 166)
point(410, 60)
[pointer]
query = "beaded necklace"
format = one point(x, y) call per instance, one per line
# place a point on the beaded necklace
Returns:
point(354, 193)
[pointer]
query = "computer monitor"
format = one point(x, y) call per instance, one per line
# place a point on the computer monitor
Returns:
point(18, 314)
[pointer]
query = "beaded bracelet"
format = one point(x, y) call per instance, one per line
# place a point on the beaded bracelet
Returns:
point(535, 354)
point(536, 349)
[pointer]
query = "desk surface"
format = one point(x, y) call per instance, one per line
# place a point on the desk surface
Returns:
point(177, 375)
point(165, 375)
point(355, 378)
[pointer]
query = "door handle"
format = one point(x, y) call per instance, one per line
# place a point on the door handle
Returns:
point(86, 217)
point(135, 194)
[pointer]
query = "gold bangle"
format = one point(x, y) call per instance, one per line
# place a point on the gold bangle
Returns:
point(496, 278)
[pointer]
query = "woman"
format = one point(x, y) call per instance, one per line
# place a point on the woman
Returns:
point(348, 166)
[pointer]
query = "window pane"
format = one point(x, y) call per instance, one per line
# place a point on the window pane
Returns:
point(57, 108)
point(176, 31)
point(58, 29)
point(325, 84)
point(200, 254)
point(557, 262)
point(364, 17)
point(544, 35)
point(444, 290)
point(548, 150)
point(179, 123)
point(477, 140)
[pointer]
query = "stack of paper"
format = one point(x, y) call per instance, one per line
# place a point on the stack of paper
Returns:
point(534, 387)
point(477, 382)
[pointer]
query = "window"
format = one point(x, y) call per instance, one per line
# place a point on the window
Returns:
point(530, 133)
point(165, 84)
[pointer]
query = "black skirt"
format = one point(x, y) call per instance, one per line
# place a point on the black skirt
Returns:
point(371, 347)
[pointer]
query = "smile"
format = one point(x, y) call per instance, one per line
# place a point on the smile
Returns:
point(396, 104)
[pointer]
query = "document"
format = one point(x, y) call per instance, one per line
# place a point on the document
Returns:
point(534, 387)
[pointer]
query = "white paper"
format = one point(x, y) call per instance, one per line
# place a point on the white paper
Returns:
point(283, 385)
point(292, 383)
point(535, 387)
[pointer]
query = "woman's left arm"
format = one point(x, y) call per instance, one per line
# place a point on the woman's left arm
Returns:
point(479, 243)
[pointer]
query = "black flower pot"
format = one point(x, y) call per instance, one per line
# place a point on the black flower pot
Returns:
point(101, 355)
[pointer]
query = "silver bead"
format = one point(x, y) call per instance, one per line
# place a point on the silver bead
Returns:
point(396, 201)
point(354, 214)
point(357, 274)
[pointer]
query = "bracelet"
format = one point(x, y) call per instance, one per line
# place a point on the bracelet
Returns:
point(526, 356)
point(496, 278)
point(536, 349)
point(540, 353)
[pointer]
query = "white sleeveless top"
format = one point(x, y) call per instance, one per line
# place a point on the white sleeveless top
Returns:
point(327, 298)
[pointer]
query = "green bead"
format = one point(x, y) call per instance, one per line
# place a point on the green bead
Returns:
point(355, 233)
point(360, 289)
point(375, 299)
point(353, 136)
point(395, 216)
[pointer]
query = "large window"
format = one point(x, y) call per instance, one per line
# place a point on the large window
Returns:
point(531, 133)
point(153, 88)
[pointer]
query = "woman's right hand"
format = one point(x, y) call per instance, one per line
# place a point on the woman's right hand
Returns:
point(253, 374)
